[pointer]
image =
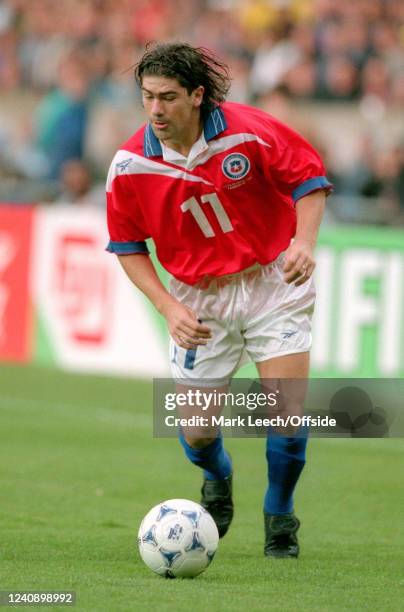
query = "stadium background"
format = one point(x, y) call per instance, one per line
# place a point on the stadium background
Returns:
point(332, 70)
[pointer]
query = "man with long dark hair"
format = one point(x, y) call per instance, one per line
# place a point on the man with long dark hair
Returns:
point(233, 200)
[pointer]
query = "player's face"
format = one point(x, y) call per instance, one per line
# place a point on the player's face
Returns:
point(174, 114)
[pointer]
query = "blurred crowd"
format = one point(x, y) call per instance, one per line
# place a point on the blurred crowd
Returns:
point(68, 95)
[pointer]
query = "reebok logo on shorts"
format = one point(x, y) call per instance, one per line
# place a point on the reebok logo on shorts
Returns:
point(288, 334)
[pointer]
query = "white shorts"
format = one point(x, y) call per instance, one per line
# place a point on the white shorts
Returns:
point(253, 312)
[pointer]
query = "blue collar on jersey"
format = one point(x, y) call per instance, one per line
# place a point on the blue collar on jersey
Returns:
point(215, 124)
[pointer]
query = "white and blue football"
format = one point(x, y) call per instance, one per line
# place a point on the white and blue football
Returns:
point(178, 538)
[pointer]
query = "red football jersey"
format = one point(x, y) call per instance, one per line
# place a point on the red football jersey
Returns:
point(231, 207)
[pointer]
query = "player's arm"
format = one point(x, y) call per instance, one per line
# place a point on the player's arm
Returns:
point(128, 230)
point(299, 260)
point(297, 168)
point(182, 322)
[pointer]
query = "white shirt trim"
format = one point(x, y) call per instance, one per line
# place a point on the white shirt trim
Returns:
point(199, 147)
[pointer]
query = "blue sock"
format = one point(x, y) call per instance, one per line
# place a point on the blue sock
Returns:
point(214, 460)
point(286, 458)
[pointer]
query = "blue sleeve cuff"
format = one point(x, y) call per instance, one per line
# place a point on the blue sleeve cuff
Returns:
point(313, 184)
point(127, 248)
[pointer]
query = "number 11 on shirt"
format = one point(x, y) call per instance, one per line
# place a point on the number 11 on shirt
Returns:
point(196, 211)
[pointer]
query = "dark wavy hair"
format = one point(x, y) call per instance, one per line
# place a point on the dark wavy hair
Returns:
point(191, 66)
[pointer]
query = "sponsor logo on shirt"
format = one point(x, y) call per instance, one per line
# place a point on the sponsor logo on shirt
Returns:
point(123, 164)
point(236, 166)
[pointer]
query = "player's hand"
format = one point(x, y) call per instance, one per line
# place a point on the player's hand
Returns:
point(299, 264)
point(184, 327)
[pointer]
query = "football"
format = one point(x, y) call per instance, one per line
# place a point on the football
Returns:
point(178, 538)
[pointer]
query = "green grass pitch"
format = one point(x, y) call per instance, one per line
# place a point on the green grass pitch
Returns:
point(79, 469)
